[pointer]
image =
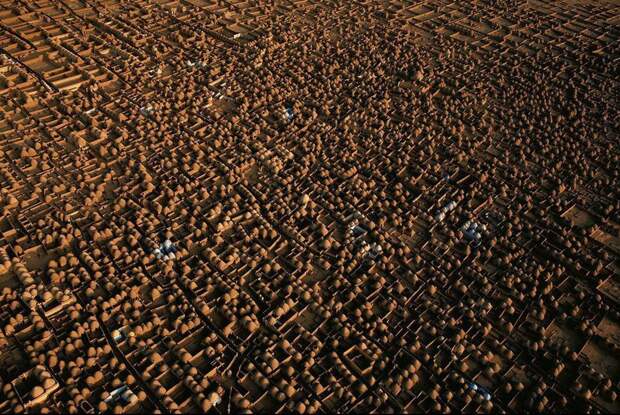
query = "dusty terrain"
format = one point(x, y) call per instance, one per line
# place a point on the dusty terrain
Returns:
point(309, 205)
